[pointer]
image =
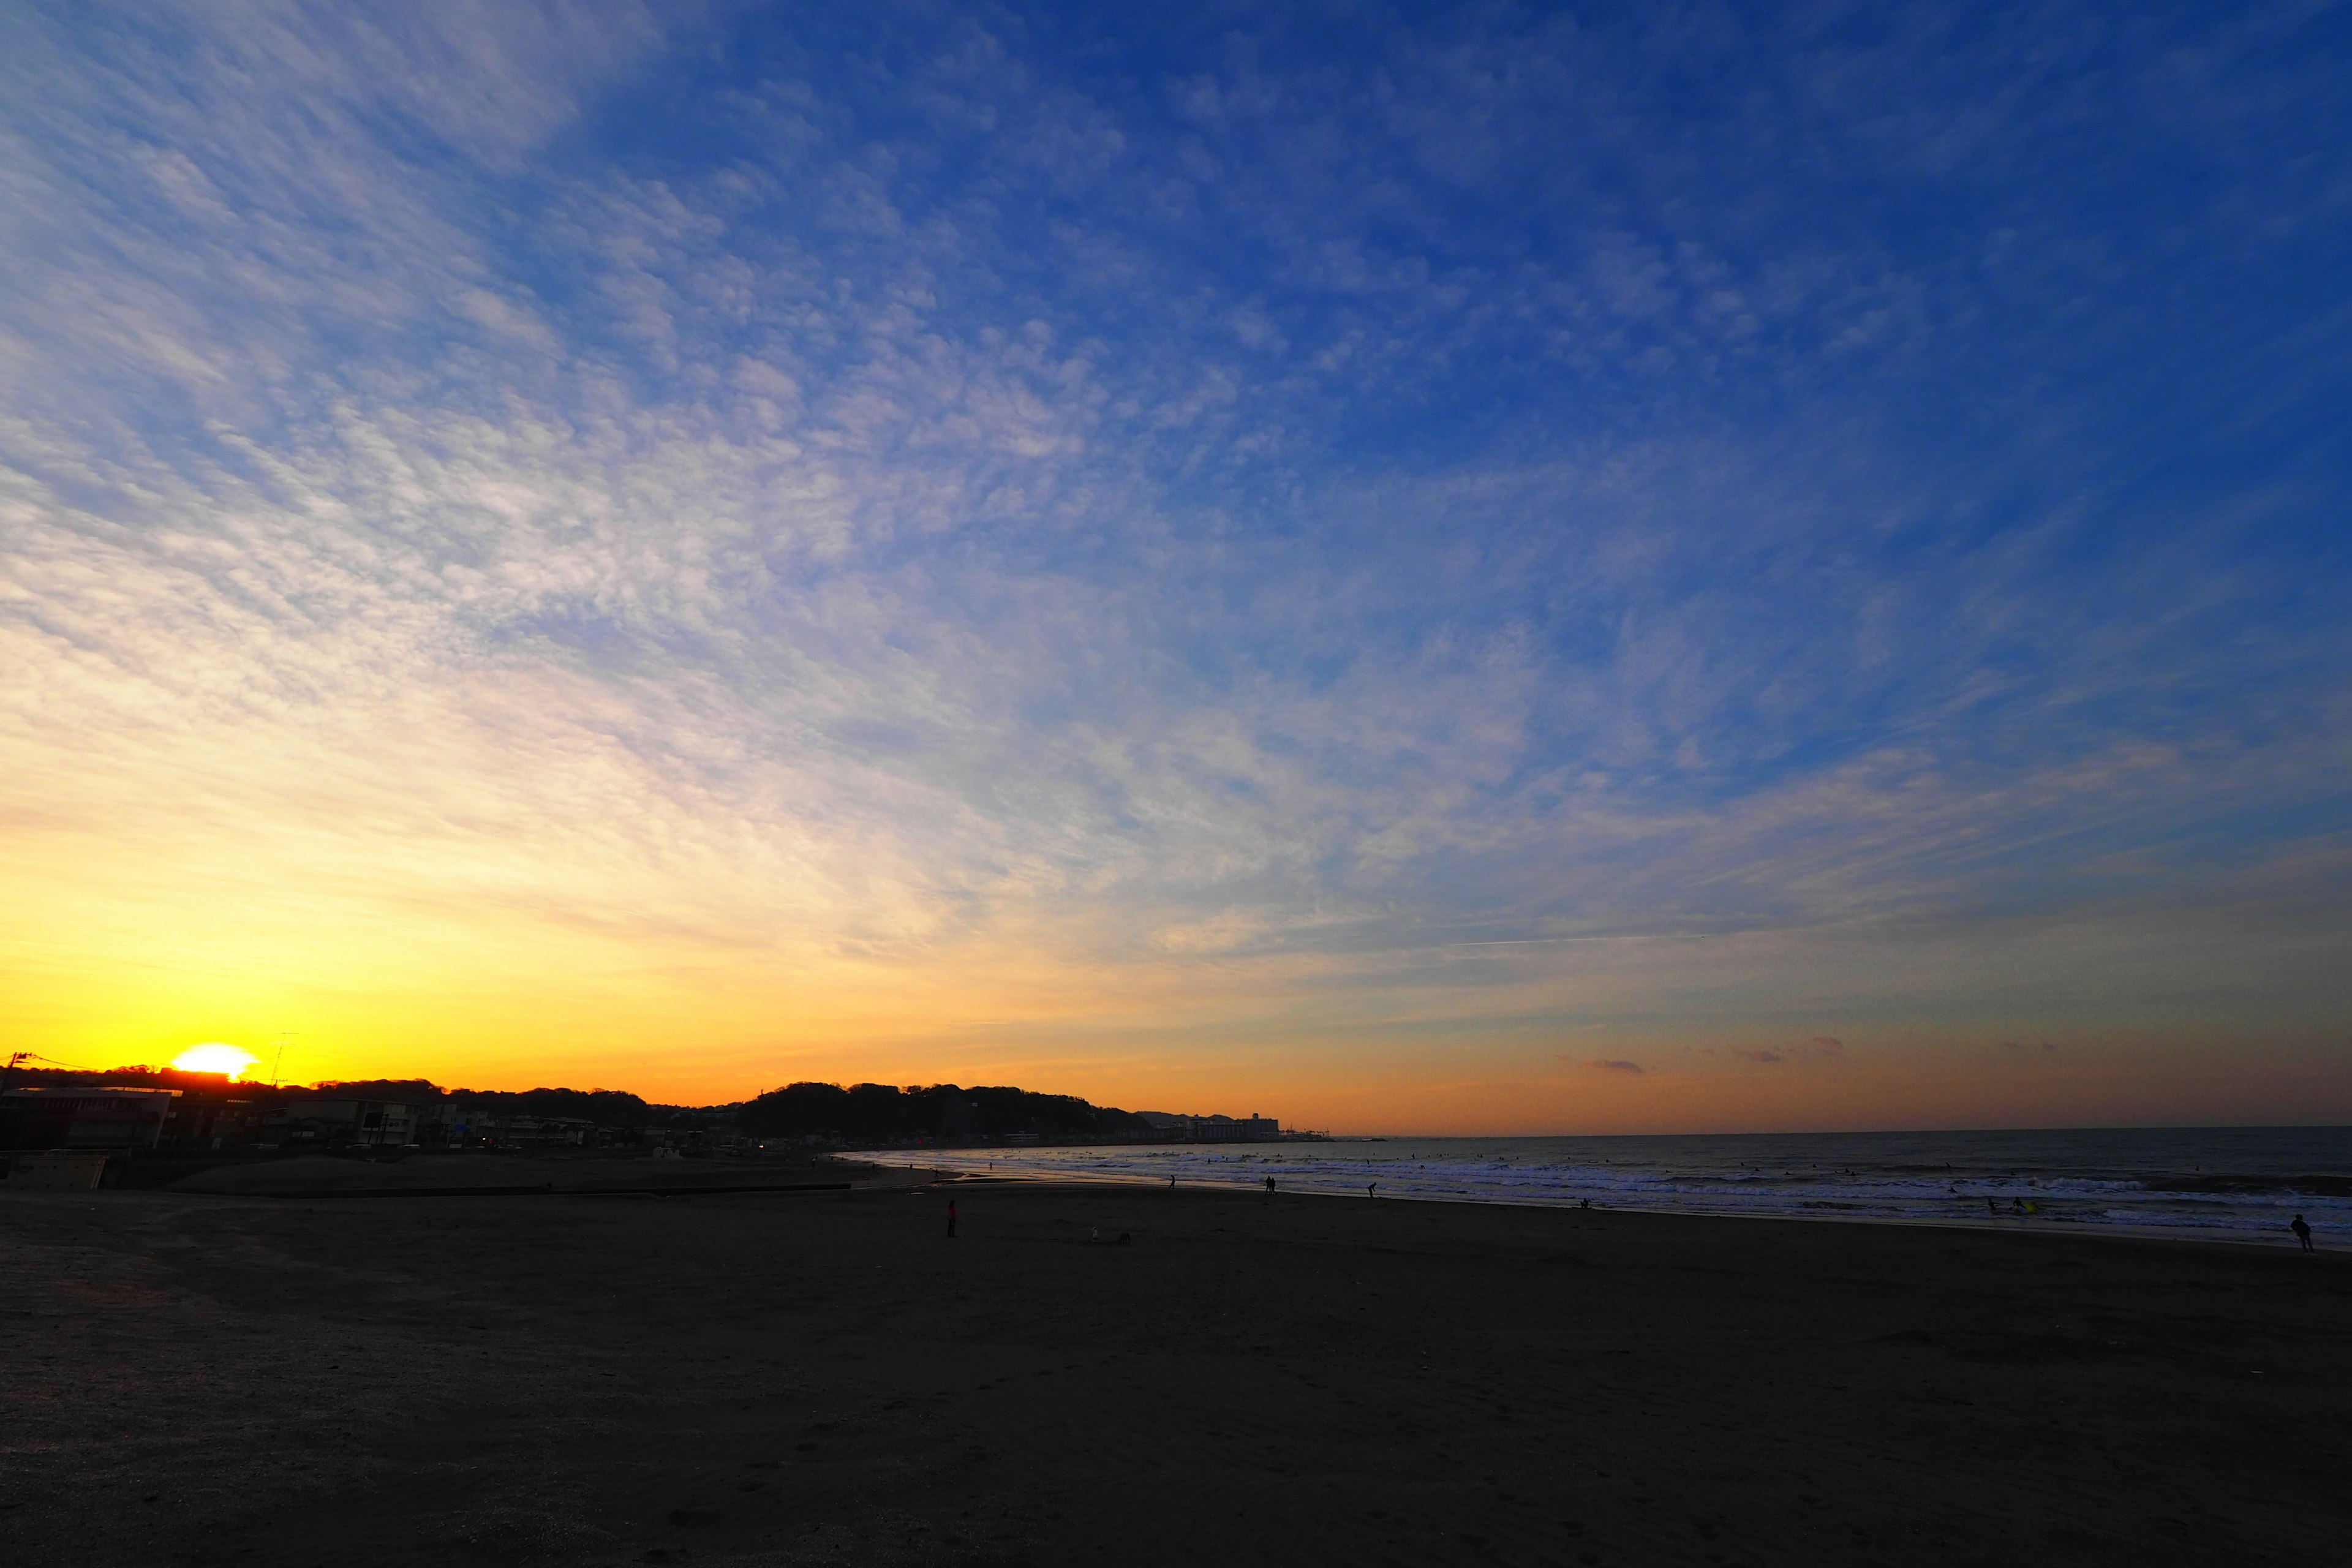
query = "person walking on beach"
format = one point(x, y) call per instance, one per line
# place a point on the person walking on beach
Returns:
point(2302, 1234)
point(951, 1219)
point(1269, 1184)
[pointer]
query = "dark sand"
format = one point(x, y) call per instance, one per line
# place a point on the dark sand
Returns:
point(824, 1378)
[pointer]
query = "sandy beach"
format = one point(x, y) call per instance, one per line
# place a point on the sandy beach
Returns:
point(824, 1377)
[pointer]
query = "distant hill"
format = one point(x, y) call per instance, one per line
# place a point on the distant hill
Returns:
point(876, 1112)
point(885, 1113)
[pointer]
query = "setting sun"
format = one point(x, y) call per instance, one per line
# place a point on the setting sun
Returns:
point(215, 1057)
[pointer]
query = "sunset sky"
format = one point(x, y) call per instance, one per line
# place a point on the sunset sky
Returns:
point(1407, 568)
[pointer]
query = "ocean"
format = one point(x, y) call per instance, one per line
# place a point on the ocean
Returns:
point(2220, 1184)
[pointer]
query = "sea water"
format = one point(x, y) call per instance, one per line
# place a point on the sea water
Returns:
point(2231, 1184)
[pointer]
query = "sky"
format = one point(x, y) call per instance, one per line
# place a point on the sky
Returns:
point(1487, 568)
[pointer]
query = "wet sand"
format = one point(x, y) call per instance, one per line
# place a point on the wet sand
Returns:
point(824, 1378)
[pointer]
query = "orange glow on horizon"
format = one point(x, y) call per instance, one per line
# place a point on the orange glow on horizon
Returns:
point(642, 988)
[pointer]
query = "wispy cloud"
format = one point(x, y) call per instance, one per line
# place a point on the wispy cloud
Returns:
point(1161, 527)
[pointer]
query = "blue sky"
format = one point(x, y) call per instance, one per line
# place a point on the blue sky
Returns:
point(1268, 549)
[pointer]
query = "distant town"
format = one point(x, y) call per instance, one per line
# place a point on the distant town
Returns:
point(145, 1126)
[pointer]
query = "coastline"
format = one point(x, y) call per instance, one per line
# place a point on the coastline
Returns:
point(2030, 1225)
point(2217, 1184)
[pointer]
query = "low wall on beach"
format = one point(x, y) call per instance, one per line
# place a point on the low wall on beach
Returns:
point(55, 1169)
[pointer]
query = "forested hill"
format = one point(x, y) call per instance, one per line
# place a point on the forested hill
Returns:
point(605, 1107)
point(878, 1112)
point(885, 1113)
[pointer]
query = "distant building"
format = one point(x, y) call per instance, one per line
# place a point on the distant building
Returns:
point(345, 1123)
point(127, 1117)
point(93, 1116)
point(470, 1126)
point(1214, 1129)
point(1235, 1130)
point(210, 1122)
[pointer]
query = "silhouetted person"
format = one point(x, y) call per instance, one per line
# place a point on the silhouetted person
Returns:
point(1992, 1208)
point(1371, 1189)
point(1269, 1183)
point(951, 1218)
point(1585, 1205)
point(2302, 1234)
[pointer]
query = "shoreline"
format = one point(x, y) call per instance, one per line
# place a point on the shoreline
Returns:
point(942, 1178)
point(828, 1171)
point(2006, 1226)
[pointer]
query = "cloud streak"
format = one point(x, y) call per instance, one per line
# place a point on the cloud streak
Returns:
point(1231, 536)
